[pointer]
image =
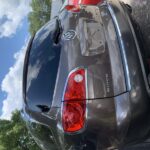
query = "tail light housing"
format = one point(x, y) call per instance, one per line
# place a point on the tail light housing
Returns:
point(74, 5)
point(74, 101)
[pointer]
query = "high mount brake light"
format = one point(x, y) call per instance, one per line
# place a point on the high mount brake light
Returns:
point(90, 2)
point(74, 105)
point(74, 5)
point(73, 8)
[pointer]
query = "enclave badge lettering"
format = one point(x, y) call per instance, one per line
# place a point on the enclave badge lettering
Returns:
point(69, 35)
point(107, 83)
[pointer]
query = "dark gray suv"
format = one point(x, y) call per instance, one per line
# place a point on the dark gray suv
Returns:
point(85, 82)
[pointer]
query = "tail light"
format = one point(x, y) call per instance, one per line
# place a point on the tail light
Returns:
point(90, 2)
point(74, 5)
point(73, 8)
point(74, 103)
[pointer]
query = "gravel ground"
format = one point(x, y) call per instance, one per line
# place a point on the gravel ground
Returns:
point(141, 13)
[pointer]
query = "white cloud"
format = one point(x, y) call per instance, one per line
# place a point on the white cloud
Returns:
point(12, 12)
point(12, 85)
point(34, 71)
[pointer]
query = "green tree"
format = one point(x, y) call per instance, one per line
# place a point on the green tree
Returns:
point(40, 14)
point(14, 134)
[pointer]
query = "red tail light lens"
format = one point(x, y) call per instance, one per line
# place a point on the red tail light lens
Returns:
point(90, 2)
point(74, 5)
point(74, 105)
point(73, 116)
point(76, 89)
point(73, 2)
point(73, 8)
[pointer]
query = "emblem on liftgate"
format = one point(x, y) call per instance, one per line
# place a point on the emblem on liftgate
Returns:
point(69, 35)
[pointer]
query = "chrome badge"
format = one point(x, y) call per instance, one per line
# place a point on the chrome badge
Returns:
point(69, 35)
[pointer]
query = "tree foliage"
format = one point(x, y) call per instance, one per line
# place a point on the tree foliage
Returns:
point(40, 14)
point(14, 134)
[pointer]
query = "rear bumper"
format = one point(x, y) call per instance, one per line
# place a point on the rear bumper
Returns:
point(106, 125)
point(109, 120)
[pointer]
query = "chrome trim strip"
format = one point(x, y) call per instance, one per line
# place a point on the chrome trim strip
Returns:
point(122, 48)
point(139, 54)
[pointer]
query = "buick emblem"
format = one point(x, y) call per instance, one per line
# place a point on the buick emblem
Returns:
point(69, 35)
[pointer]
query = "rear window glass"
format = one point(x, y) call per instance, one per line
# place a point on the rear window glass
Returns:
point(42, 69)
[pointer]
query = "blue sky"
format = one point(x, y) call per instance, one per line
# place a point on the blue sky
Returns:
point(13, 40)
point(8, 47)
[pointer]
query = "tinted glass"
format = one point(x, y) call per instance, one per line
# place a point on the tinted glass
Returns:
point(42, 69)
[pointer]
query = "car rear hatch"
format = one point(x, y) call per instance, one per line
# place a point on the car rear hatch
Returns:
point(89, 41)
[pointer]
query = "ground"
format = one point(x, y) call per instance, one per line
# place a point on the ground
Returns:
point(141, 13)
